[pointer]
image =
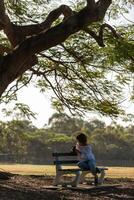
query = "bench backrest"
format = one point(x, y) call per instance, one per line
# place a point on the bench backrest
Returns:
point(68, 158)
point(61, 159)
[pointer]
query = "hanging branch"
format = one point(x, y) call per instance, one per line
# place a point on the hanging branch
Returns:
point(99, 37)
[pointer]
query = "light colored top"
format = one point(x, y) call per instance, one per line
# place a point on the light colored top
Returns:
point(85, 152)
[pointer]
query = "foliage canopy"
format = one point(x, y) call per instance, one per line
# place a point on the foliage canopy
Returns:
point(73, 51)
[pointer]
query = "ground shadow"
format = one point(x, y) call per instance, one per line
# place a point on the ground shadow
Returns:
point(34, 188)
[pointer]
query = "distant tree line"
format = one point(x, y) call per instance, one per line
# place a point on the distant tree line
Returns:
point(22, 142)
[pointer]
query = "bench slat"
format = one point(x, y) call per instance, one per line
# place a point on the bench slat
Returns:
point(78, 169)
point(56, 154)
point(59, 162)
point(70, 170)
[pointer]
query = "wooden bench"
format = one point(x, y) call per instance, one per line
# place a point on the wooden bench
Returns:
point(62, 160)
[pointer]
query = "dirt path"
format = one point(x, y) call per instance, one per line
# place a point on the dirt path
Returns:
point(34, 188)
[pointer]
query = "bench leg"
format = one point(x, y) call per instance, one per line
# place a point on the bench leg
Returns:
point(82, 177)
point(96, 180)
point(58, 178)
point(101, 177)
point(84, 173)
point(73, 183)
point(76, 180)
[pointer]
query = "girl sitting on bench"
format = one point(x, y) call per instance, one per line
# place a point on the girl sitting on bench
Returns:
point(85, 155)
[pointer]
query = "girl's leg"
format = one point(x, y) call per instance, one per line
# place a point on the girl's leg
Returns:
point(92, 166)
point(83, 165)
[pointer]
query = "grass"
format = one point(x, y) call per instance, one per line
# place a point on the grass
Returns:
point(26, 169)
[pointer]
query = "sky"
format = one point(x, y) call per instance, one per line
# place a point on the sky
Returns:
point(40, 103)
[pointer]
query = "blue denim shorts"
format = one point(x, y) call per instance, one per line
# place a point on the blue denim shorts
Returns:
point(88, 165)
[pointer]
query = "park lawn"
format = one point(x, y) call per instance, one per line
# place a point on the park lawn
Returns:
point(26, 169)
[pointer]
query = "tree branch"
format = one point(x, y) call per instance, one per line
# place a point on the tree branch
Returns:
point(18, 61)
point(99, 37)
point(2, 13)
point(102, 6)
point(103, 26)
point(91, 4)
point(21, 32)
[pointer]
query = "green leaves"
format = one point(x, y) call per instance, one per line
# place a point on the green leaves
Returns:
point(109, 108)
point(26, 11)
point(57, 138)
point(19, 111)
point(80, 75)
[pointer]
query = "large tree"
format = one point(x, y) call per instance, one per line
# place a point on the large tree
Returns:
point(65, 53)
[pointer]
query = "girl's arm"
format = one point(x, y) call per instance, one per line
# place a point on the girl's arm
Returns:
point(78, 151)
